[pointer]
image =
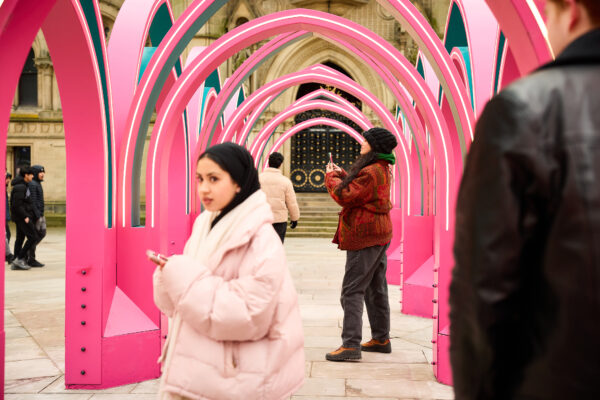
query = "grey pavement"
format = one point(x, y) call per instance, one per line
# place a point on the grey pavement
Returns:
point(34, 324)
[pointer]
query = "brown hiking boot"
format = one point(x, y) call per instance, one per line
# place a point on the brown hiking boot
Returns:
point(344, 354)
point(375, 345)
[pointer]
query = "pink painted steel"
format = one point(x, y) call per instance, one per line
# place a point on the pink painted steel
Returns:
point(433, 49)
point(261, 138)
point(20, 21)
point(125, 49)
point(523, 27)
point(323, 74)
point(509, 70)
point(259, 29)
point(90, 246)
point(251, 63)
point(307, 124)
point(481, 28)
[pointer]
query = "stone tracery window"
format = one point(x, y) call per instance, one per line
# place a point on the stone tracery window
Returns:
point(28, 83)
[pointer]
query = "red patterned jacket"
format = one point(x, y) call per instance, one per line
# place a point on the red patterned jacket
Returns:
point(365, 216)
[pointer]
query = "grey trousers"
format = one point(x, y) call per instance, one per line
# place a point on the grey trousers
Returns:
point(364, 280)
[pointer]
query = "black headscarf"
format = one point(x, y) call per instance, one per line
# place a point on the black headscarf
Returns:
point(239, 164)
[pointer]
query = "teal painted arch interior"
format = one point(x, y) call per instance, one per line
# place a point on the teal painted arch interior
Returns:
point(456, 34)
point(464, 50)
point(499, 61)
point(92, 22)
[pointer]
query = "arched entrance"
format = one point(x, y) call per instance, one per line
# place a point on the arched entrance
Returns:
point(310, 148)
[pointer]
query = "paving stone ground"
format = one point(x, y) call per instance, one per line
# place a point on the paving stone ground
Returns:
point(34, 325)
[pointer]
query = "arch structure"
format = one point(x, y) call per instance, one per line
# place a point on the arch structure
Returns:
point(109, 94)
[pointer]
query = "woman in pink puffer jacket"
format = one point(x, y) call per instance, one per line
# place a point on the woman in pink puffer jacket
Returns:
point(236, 330)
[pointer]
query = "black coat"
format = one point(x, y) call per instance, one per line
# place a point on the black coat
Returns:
point(21, 206)
point(37, 198)
point(525, 291)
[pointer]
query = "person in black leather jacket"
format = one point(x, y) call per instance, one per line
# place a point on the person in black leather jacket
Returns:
point(525, 290)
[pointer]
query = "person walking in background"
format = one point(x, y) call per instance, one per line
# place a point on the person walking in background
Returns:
point(22, 212)
point(236, 329)
point(8, 256)
point(280, 195)
point(365, 232)
point(37, 198)
point(524, 298)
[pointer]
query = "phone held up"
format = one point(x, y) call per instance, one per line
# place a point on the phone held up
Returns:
point(330, 158)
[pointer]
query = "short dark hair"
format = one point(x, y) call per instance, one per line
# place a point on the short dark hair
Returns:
point(592, 7)
point(275, 160)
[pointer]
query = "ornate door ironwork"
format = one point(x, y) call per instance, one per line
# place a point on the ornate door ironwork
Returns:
point(310, 149)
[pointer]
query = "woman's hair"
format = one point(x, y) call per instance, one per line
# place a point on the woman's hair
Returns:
point(362, 161)
point(592, 7)
point(239, 164)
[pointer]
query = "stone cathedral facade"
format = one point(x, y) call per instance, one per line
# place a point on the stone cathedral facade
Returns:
point(36, 134)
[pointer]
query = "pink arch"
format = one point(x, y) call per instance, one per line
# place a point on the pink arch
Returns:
point(524, 29)
point(276, 44)
point(125, 50)
point(481, 28)
point(323, 74)
point(265, 133)
point(296, 108)
point(20, 20)
point(309, 123)
point(337, 27)
point(433, 49)
point(247, 67)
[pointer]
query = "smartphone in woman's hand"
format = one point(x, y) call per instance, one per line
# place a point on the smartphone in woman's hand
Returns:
point(156, 258)
point(330, 158)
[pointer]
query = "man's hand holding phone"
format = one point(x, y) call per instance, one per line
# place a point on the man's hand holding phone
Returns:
point(156, 258)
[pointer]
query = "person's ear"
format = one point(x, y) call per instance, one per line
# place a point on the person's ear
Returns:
point(238, 189)
point(575, 14)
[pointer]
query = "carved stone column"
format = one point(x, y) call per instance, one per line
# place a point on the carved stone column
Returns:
point(45, 74)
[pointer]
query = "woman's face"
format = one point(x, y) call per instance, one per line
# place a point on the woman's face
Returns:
point(216, 189)
point(365, 147)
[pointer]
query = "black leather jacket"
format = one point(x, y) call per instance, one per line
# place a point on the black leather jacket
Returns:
point(525, 291)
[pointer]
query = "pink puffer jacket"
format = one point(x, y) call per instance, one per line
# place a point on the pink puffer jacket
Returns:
point(237, 333)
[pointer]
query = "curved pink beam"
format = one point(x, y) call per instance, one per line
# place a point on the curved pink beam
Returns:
point(20, 20)
point(125, 50)
point(460, 63)
point(316, 94)
point(433, 49)
point(261, 139)
point(326, 75)
point(481, 27)
point(261, 28)
point(316, 73)
point(525, 32)
point(353, 88)
point(309, 123)
point(398, 91)
point(240, 74)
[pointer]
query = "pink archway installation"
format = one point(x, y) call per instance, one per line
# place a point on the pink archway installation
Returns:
point(114, 332)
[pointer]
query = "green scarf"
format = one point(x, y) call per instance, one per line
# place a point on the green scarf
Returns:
point(389, 157)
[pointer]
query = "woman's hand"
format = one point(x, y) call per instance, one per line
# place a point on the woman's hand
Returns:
point(332, 167)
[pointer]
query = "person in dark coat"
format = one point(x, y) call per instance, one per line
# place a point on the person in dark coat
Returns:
point(8, 256)
point(524, 297)
point(23, 215)
point(37, 198)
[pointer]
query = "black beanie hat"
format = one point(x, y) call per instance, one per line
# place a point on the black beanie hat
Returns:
point(239, 164)
point(381, 140)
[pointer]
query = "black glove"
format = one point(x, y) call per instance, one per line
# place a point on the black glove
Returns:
point(293, 224)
